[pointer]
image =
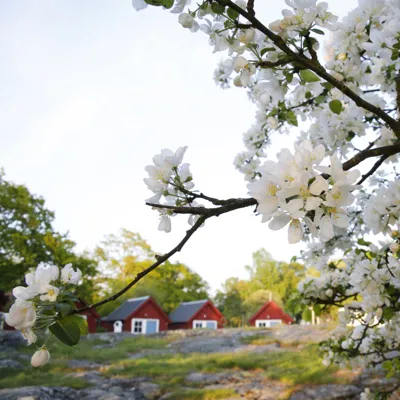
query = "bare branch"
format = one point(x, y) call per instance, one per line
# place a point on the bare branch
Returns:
point(142, 274)
point(205, 214)
point(272, 64)
point(363, 155)
point(373, 169)
point(250, 7)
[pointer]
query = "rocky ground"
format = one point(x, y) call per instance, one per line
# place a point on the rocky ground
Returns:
point(240, 384)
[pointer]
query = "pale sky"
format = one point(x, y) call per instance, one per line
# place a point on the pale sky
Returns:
point(91, 91)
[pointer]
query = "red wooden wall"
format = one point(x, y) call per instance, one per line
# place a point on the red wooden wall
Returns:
point(148, 310)
point(271, 310)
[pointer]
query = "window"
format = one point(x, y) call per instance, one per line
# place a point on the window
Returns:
point(197, 324)
point(137, 326)
point(145, 326)
point(267, 323)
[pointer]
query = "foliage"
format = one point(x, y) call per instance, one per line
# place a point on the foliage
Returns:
point(268, 279)
point(122, 257)
point(28, 238)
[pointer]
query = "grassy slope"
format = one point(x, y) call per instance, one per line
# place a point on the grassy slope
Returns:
point(293, 366)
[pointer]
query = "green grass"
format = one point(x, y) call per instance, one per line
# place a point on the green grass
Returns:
point(259, 340)
point(299, 367)
point(302, 366)
point(85, 349)
point(49, 375)
point(202, 394)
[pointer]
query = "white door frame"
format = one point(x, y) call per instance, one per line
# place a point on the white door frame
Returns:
point(144, 325)
point(203, 323)
point(267, 322)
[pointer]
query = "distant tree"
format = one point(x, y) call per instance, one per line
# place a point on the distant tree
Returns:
point(27, 238)
point(122, 257)
point(269, 279)
point(280, 278)
point(230, 301)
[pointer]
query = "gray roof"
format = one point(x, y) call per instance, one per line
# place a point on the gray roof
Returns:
point(125, 309)
point(186, 311)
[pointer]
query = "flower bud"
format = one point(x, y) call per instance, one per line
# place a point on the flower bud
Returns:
point(329, 292)
point(394, 247)
point(186, 20)
point(41, 357)
point(237, 82)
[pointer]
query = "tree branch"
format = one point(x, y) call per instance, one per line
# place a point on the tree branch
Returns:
point(142, 274)
point(205, 214)
point(272, 64)
point(314, 66)
point(373, 169)
point(235, 204)
point(386, 151)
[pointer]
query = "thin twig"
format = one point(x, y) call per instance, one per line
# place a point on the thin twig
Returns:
point(205, 214)
point(142, 274)
point(373, 169)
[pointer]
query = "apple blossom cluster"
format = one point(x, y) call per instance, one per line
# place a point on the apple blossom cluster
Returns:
point(36, 306)
point(382, 209)
point(293, 191)
point(172, 181)
point(366, 285)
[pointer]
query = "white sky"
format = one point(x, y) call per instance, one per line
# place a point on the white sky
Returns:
point(91, 90)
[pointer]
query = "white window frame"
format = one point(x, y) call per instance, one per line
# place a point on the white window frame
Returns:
point(144, 325)
point(267, 322)
point(203, 323)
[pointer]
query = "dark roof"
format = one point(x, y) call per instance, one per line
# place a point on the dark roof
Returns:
point(126, 309)
point(186, 311)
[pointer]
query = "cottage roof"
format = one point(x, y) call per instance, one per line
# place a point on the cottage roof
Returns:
point(269, 306)
point(186, 311)
point(126, 309)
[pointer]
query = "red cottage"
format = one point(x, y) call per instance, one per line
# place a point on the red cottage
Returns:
point(92, 316)
point(196, 314)
point(270, 314)
point(141, 315)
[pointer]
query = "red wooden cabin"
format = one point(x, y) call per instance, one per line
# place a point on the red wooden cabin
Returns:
point(141, 315)
point(270, 314)
point(196, 314)
point(92, 316)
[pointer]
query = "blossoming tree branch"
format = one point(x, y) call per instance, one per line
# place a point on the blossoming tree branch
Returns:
point(342, 110)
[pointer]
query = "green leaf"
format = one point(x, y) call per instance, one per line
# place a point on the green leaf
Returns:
point(66, 330)
point(266, 50)
point(291, 118)
point(336, 106)
point(308, 76)
point(320, 99)
point(81, 321)
point(306, 315)
point(165, 3)
point(232, 14)
point(318, 31)
point(363, 242)
point(63, 308)
point(217, 8)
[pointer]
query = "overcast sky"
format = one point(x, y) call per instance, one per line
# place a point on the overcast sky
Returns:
point(91, 91)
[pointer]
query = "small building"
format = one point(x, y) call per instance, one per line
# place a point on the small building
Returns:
point(196, 314)
point(269, 315)
point(92, 316)
point(141, 315)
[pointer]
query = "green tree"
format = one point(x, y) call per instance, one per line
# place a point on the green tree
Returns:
point(27, 238)
point(240, 299)
point(122, 257)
